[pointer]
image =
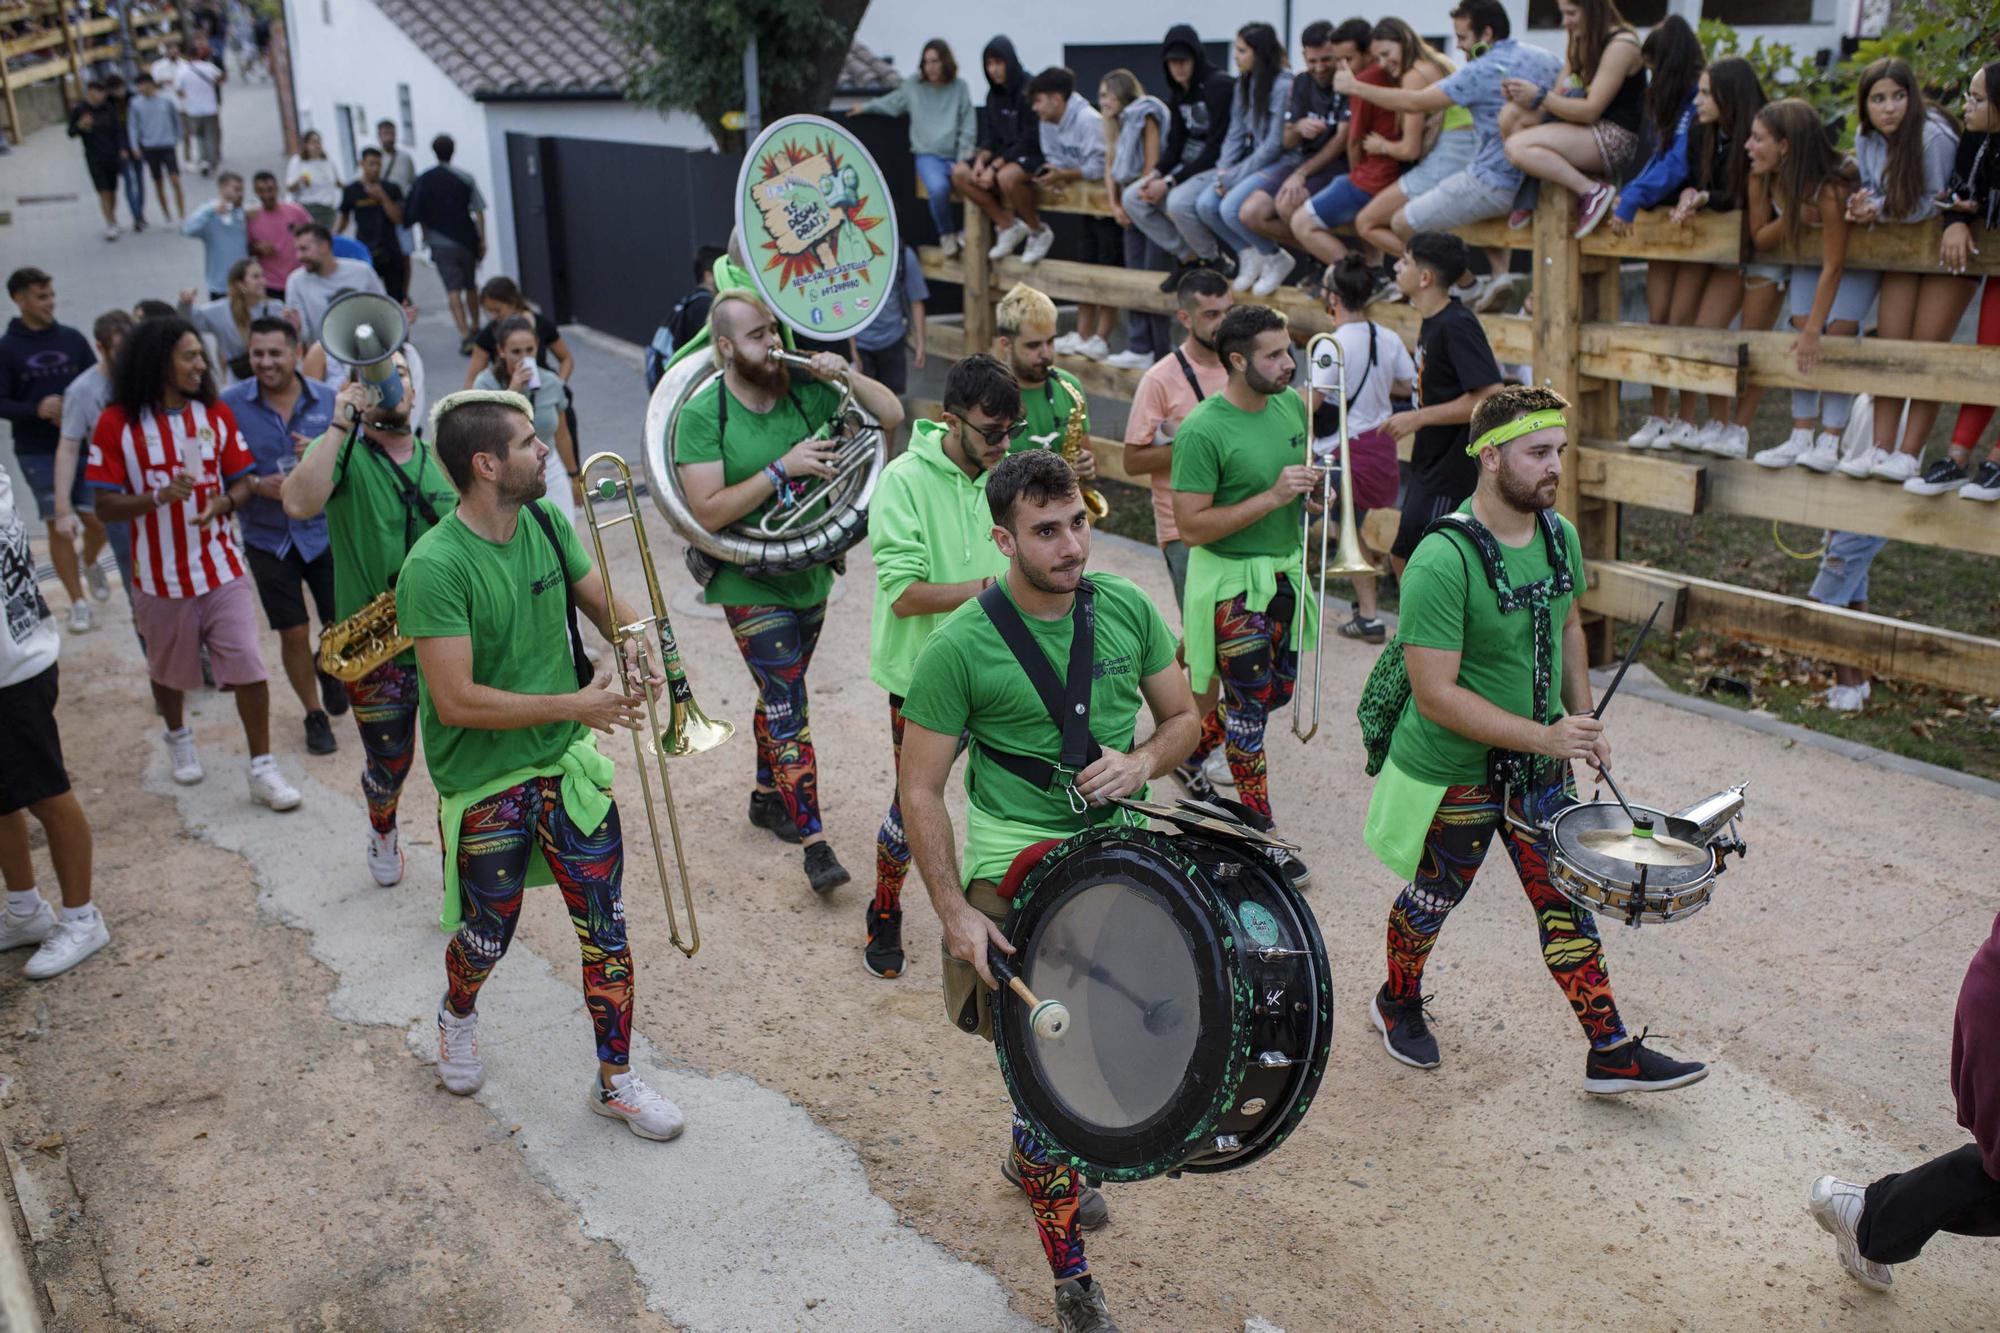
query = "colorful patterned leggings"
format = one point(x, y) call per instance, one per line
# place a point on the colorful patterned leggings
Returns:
point(1453, 849)
point(1054, 1190)
point(777, 644)
point(495, 840)
point(385, 713)
point(1258, 670)
point(892, 846)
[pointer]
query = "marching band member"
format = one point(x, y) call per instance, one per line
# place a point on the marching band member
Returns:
point(928, 528)
point(381, 487)
point(508, 707)
point(1025, 337)
point(748, 441)
point(968, 680)
point(1499, 704)
point(1240, 478)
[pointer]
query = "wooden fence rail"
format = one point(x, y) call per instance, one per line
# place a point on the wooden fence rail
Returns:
point(1576, 344)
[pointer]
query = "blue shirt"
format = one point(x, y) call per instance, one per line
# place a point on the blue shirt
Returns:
point(346, 247)
point(893, 323)
point(1476, 87)
point(269, 439)
point(223, 240)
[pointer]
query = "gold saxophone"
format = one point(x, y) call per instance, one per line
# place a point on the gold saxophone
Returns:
point(362, 642)
point(1074, 432)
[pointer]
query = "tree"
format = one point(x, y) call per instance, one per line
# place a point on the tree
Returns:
point(688, 55)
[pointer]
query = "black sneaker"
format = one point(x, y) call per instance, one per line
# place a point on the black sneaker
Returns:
point(1091, 1210)
point(1223, 263)
point(823, 869)
point(1193, 781)
point(1289, 865)
point(1985, 483)
point(1633, 1068)
point(1171, 283)
point(319, 734)
point(1368, 631)
point(332, 695)
point(767, 810)
point(1939, 478)
point(1405, 1034)
point(884, 955)
point(1081, 1309)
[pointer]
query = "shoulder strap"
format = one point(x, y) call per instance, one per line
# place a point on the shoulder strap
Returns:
point(1067, 700)
point(1188, 371)
point(1362, 382)
point(583, 671)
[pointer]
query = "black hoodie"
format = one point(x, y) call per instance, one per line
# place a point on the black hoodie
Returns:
point(1200, 111)
point(1008, 128)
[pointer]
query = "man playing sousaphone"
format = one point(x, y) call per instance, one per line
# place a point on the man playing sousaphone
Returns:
point(381, 488)
point(968, 679)
point(1025, 341)
point(747, 442)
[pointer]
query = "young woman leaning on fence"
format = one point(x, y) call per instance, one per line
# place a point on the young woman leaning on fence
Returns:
point(1437, 145)
point(943, 130)
point(1256, 140)
point(1595, 128)
point(1135, 126)
point(1973, 199)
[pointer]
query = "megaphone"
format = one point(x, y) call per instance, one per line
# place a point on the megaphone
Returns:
point(364, 330)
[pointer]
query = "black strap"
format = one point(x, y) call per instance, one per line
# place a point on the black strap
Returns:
point(1188, 371)
point(583, 671)
point(1067, 700)
point(1365, 369)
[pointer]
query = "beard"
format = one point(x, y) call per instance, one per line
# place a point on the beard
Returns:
point(1264, 386)
point(394, 419)
point(1029, 373)
point(1207, 343)
point(1528, 497)
point(1055, 581)
point(527, 490)
point(768, 375)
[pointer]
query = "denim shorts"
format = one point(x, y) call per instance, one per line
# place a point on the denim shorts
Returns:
point(1852, 299)
point(1451, 154)
point(40, 470)
point(1339, 203)
point(1457, 201)
point(1843, 569)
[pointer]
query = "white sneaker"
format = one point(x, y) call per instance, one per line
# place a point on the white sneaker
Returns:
point(950, 244)
point(17, 931)
point(1862, 463)
point(111, 232)
point(180, 753)
point(1836, 1206)
point(459, 1067)
point(1824, 456)
point(1038, 246)
point(93, 579)
point(1129, 360)
point(1216, 769)
point(1845, 698)
point(81, 618)
point(1473, 292)
point(67, 945)
point(1094, 347)
point(1897, 467)
point(1007, 239)
point(1985, 483)
point(1679, 434)
point(1069, 344)
point(1730, 442)
point(1276, 268)
point(1790, 452)
point(1652, 428)
point(385, 857)
point(1711, 431)
point(1249, 267)
point(645, 1112)
point(268, 785)
point(1499, 294)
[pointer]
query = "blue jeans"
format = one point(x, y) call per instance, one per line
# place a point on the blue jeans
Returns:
point(1146, 332)
point(1339, 203)
point(1219, 213)
point(935, 173)
point(134, 173)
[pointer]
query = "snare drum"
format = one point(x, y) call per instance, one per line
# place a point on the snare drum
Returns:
point(1623, 890)
point(1200, 1003)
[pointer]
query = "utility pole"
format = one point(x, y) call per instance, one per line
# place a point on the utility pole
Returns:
point(753, 105)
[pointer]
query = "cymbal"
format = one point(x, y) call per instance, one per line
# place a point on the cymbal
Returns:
point(1186, 814)
point(1657, 850)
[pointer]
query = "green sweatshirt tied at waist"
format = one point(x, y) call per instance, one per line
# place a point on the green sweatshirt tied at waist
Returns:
point(1214, 579)
point(586, 796)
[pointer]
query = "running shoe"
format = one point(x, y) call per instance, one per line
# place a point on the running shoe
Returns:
point(1845, 698)
point(884, 955)
point(1824, 456)
point(1171, 283)
point(1094, 348)
point(1291, 867)
point(1368, 631)
point(1836, 1205)
point(1732, 442)
point(1069, 344)
point(81, 618)
point(767, 811)
point(1985, 483)
point(645, 1112)
point(1679, 434)
point(268, 785)
point(1520, 218)
point(94, 579)
point(1862, 463)
point(1194, 782)
point(1038, 246)
point(1592, 209)
point(1007, 239)
point(823, 869)
point(1897, 467)
point(385, 857)
point(458, 1064)
point(20, 929)
point(950, 244)
point(181, 755)
point(1081, 1309)
point(1216, 769)
point(319, 734)
point(1711, 431)
point(1128, 360)
point(67, 945)
point(1633, 1068)
point(332, 695)
point(1405, 1034)
point(1272, 271)
point(1651, 429)
point(1249, 267)
point(1940, 478)
point(1796, 446)
point(1091, 1210)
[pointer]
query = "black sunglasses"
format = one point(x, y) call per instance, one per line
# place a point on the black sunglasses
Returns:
point(993, 434)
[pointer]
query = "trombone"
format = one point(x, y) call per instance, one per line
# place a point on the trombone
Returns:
point(1322, 351)
point(688, 730)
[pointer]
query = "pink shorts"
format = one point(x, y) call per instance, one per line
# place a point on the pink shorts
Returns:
point(1376, 475)
point(176, 629)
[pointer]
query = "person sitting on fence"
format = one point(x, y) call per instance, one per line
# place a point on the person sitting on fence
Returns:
point(1378, 372)
point(1412, 64)
point(1594, 125)
point(942, 131)
point(1674, 62)
point(1134, 128)
point(1905, 151)
point(999, 178)
point(1161, 204)
point(1796, 183)
point(1316, 130)
point(1256, 140)
point(1974, 198)
point(1072, 138)
point(1372, 130)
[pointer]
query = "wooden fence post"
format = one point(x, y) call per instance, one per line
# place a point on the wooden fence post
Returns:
point(978, 239)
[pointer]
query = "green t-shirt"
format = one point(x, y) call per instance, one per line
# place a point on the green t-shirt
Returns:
point(509, 600)
point(1447, 603)
point(366, 518)
point(1223, 451)
point(755, 441)
point(967, 680)
point(1046, 408)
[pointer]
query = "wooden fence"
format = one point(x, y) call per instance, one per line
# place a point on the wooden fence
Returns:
point(1576, 344)
point(64, 47)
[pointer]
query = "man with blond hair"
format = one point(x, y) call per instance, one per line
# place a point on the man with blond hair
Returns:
point(1025, 342)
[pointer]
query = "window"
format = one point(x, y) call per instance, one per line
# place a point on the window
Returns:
point(1753, 13)
point(403, 115)
point(1645, 13)
point(345, 117)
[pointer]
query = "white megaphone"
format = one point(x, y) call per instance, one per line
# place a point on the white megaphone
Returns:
point(364, 330)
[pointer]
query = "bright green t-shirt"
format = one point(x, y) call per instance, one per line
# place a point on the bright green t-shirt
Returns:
point(967, 680)
point(1447, 603)
point(1046, 408)
point(366, 518)
point(755, 441)
point(1223, 451)
point(509, 600)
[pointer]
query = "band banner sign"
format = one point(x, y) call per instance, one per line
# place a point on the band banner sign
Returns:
point(817, 226)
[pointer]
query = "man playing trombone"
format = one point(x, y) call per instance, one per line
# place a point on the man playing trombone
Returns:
point(748, 441)
point(1240, 479)
point(508, 708)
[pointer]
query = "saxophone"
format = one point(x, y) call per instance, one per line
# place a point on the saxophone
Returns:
point(362, 642)
point(1074, 431)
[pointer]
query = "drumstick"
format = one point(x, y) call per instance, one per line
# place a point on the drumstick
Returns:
point(1047, 1019)
point(1158, 1016)
point(1630, 653)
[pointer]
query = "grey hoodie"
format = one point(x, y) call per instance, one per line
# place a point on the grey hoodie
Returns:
point(1077, 140)
point(1128, 159)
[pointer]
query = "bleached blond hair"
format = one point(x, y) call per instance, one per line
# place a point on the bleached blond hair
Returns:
point(740, 296)
point(1023, 308)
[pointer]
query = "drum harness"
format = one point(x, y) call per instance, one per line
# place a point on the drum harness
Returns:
point(1067, 700)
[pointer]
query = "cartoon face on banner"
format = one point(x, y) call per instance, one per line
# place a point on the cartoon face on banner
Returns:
point(817, 227)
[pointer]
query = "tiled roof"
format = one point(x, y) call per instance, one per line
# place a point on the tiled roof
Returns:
point(554, 48)
point(866, 72)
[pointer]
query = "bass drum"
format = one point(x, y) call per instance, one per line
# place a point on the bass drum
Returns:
point(1200, 1002)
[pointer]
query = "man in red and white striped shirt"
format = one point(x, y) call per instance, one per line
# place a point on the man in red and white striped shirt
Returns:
point(167, 458)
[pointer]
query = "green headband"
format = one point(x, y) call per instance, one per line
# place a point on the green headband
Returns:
point(1515, 429)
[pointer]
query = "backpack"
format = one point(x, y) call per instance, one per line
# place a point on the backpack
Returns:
point(1387, 690)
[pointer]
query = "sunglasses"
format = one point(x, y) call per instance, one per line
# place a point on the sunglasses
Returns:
point(995, 433)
